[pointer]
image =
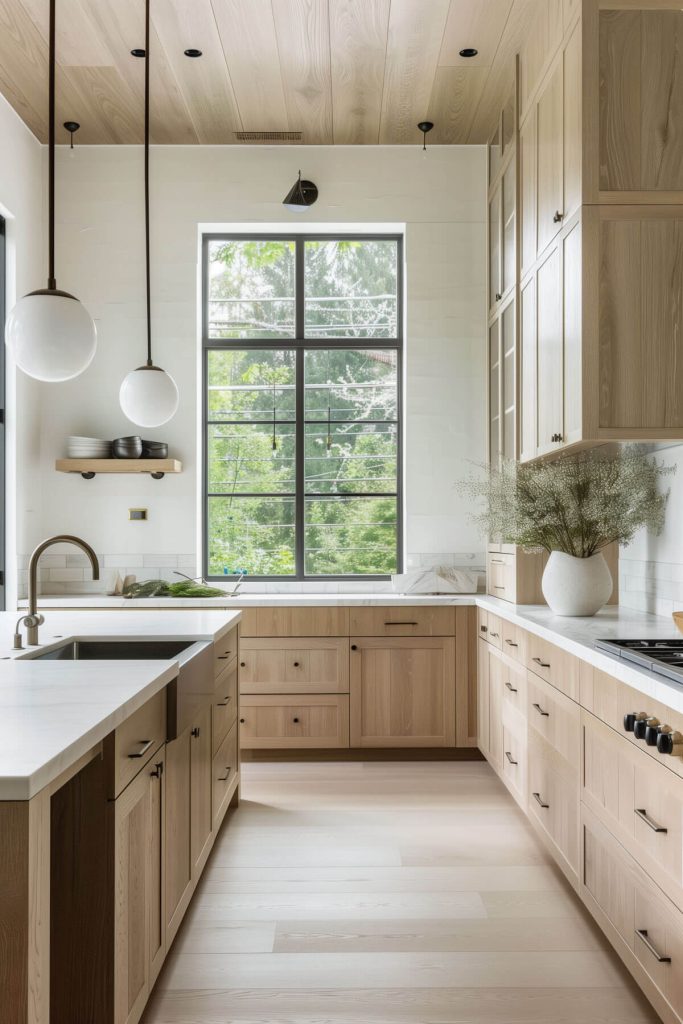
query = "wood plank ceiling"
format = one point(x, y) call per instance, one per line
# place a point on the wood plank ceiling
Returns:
point(339, 71)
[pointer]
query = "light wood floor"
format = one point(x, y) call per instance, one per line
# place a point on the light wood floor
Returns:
point(386, 892)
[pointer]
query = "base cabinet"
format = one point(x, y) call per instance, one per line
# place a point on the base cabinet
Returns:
point(402, 692)
point(140, 938)
point(178, 886)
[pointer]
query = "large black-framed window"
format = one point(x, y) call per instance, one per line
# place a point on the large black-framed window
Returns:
point(3, 486)
point(302, 376)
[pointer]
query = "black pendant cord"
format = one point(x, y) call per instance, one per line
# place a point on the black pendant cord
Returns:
point(147, 266)
point(51, 281)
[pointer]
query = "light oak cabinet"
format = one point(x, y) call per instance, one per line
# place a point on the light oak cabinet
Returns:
point(296, 721)
point(402, 692)
point(200, 790)
point(178, 868)
point(601, 208)
point(140, 937)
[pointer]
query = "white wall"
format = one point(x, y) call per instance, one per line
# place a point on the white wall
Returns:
point(651, 568)
point(441, 200)
point(21, 203)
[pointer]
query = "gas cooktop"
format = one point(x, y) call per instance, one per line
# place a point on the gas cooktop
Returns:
point(662, 656)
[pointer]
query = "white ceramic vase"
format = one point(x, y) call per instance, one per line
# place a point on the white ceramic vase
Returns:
point(576, 586)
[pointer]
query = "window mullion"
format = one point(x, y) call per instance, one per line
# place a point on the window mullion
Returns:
point(300, 439)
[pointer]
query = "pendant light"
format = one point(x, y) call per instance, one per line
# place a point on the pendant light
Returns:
point(301, 195)
point(51, 335)
point(148, 395)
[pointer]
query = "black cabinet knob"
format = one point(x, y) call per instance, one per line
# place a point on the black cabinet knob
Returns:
point(640, 728)
point(652, 735)
point(629, 721)
point(296, 664)
point(665, 742)
point(498, 296)
point(243, 664)
point(295, 720)
point(354, 647)
point(241, 721)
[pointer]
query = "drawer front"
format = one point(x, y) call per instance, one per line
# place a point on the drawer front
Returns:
point(311, 665)
point(553, 801)
point(494, 630)
point(514, 763)
point(500, 576)
point(402, 621)
point(650, 929)
point(225, 767)
point(554, 665)
point(513, 642)
point(225, 650)
point(557, 719)
point(224, 706)
point(137, 739)
point(514, 686)
point(639, 801)
point(294, 722)
point(288, 622)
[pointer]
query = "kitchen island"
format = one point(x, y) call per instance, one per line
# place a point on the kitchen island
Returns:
point(115, 776)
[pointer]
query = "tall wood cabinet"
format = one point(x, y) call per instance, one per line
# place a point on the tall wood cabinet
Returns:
point(600, 287)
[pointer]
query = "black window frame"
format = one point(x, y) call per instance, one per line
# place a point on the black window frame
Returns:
point(300, 344)
point(3, 470)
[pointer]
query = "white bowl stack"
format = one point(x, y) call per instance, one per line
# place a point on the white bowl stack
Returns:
point(87, 448)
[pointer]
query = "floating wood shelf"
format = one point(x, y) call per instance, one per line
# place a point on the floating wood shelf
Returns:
point(88, 468)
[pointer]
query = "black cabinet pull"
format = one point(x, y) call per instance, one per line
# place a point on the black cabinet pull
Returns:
point(511, 643)
point(510, 757)
point(545, 714)
point(539, 801)
point(644, 816)
point(146, 744)
point(498, 296)
point(543, 664)
point(511, 688)
point(224, 778)
point(195, 732)
point(223, 703)
point(643, 936)
point(559, 216)
point(400, 623)
point(158, 770)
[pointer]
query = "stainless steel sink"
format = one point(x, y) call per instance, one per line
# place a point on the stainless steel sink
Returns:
point(115, 650)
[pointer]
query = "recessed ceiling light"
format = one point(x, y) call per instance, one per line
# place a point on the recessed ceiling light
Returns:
point(192, 53)
point(137, 52)
point(469, 51)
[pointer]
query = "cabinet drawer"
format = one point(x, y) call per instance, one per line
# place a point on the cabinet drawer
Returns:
point(638, 800)
point(513, 642)
point(491, 628)
point(514, 763)
point(311, 665)
point(514, 686)
point(224, 705)
point(225, 650)
point(557, 719)
point(287, 622)
point(552, 664)
point(225, 767)
point(135, 742)
point(402, 621)
point(650, 929)
point(500, 576)
point(553, 800)
point(294, 722)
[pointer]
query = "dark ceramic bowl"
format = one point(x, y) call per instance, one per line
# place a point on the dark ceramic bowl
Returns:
point(127, 448)
point(154, 450)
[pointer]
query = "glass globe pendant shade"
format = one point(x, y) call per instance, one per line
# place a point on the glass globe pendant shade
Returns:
point(149, 396)
point(52, 335)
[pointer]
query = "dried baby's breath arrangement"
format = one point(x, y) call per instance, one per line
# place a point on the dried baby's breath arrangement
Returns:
point(578, 504)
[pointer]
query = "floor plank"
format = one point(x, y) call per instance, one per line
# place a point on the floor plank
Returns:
point(412, 893)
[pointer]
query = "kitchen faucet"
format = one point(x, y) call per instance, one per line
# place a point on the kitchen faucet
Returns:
point(34, 619)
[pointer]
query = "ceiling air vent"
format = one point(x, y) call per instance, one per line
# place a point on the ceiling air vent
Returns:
point(268, 138)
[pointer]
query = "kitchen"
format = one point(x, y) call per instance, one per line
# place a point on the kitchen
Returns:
point(374, 754)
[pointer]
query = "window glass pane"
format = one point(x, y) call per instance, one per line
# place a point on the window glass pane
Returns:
point(351, 385)
point(351, 457)
point(351, 289)
point(350, 536)
point(251, 385)
point(252, 534)
point(250, 458)
point(251, 289)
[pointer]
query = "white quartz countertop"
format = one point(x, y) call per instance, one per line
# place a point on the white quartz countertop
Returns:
point(258, 600)
point(53, 712)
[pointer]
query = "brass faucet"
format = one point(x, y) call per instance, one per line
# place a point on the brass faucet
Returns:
point(34, 619)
